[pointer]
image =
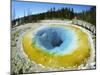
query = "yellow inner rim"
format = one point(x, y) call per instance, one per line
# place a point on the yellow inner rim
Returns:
point(74, 59)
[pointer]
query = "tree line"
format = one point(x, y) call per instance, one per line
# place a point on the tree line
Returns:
point(63, 13)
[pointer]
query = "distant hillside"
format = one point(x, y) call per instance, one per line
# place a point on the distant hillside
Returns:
point(63, 13)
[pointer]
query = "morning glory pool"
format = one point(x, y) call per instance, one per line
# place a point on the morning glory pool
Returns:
point(57, 46)
point(56, 40)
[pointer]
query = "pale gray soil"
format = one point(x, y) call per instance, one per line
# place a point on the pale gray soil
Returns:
point(19, 61)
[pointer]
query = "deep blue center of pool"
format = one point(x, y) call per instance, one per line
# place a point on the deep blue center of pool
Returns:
point(54, 38)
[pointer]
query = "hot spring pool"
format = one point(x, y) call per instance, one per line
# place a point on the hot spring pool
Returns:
point(55, 40)
point(57, 46)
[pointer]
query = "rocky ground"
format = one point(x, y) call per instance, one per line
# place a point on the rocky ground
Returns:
point(20, 62)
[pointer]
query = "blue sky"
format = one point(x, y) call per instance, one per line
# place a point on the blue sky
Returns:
point(38, 7)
